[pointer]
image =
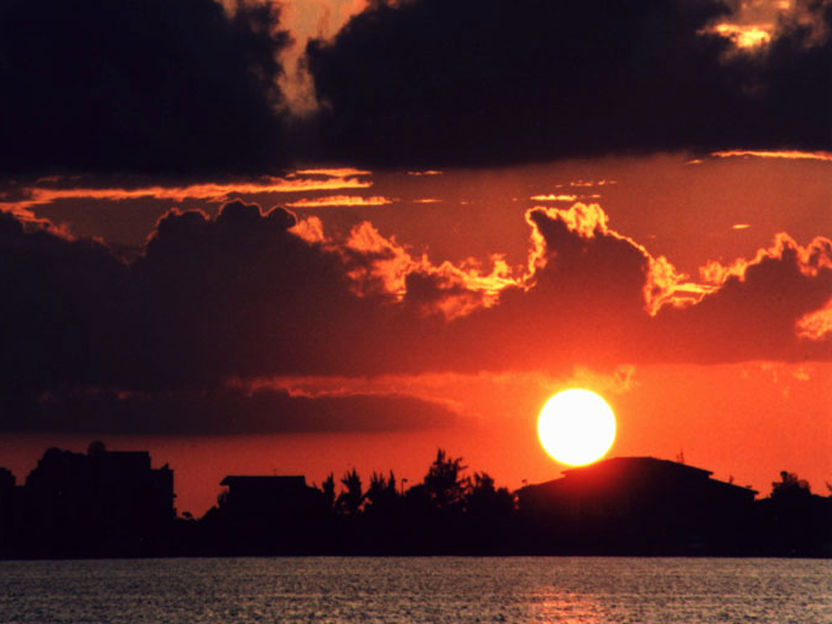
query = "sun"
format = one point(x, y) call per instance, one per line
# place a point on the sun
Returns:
point(576, 427)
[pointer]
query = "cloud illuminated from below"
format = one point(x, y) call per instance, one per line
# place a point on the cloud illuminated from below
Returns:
point(340, 200)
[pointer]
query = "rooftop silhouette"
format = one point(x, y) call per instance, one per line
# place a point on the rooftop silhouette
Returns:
point(114, 503)
point(642, 505)
point(89, 504)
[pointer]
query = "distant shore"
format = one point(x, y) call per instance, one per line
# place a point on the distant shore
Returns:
point(113, 504)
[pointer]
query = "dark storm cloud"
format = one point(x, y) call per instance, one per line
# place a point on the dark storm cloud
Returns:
point(58, 301)
point(153, 345)
point(238, 295)
point(89, 343)
point(482, 81)
point(158, 86)
point(225, 411)
point(791, 89)
point(184, 87)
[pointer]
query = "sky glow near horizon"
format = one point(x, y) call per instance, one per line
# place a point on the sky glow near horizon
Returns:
point(488, 423)
point(354, 314)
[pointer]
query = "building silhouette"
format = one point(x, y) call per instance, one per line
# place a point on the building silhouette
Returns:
point(258, 514)
point(638, 505)
point(102, 502)
point(274, 497)
point(9, 494)
point(115, 504)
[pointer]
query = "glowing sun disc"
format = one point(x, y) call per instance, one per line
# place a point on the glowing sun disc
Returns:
point(576, 427)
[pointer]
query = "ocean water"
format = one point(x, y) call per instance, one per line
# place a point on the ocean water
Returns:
point(431, 589)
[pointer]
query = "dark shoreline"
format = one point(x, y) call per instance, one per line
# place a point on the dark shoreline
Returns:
point(113, 504)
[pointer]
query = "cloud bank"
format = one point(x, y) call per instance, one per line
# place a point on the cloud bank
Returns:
point(436, 82)
point(225, 410)
point(159, 86)
point(193, 87)
point(253, 294)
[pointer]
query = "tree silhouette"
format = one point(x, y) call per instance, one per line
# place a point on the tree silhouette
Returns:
point(484, 500)
point(381, 496)
point(96, 447)
point(350, 500)
point(449, 512)
point(328, 489)
point(444, 483)
point(794, 522)
point(789, 487)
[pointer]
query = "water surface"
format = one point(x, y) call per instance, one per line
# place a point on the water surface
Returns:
point(440, 590)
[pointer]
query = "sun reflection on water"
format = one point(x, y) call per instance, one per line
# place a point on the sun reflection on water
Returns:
point(550, 604)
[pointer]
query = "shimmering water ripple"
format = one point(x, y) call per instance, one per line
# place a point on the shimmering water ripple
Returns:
point(437, 590)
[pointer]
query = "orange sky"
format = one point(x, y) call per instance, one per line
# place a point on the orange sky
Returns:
point(297, 237)
point(743, 416)
point(747, 421)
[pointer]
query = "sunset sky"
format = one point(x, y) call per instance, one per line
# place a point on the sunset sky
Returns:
point(294, 238)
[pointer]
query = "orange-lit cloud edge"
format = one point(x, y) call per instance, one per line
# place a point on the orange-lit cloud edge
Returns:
point(304, 180)
point(745, 36)
point(473, 284)
point(49, 190)
point(781, 154)
point(340, 200)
